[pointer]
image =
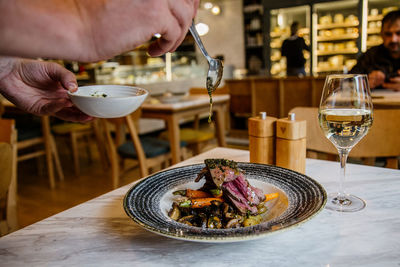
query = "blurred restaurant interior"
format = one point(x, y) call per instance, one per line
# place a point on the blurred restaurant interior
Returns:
point(58, 164)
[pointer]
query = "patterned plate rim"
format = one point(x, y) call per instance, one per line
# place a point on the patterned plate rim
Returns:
point(222, 239)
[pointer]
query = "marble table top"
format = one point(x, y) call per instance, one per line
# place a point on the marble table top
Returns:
point(98, 233)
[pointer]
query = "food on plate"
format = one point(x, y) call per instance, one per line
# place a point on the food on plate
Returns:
point(226, 200)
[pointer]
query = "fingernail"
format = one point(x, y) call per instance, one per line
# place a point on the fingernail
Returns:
point(72, 86)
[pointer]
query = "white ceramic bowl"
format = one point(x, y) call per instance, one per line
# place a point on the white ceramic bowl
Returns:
point(108, 101)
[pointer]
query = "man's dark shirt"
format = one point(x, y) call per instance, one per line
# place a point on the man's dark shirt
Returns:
point(377, 58)
point(292, 49)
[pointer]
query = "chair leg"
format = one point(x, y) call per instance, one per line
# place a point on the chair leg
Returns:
point(368, 161)
point(112, 152)
point(74, 144)
point(48, 149)
point(49, 163)
point(59, 169)
point(392, 163)
point(88, 150)
point(100, 144)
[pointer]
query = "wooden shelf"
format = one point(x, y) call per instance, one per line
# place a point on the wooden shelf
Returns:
point(375, 18)
point(276, 45)
point(337, 68)
point(346, 36)
point(276, 34)
point(337, 25)
point(374, 31)
point(373, 43)
point(338, 52)
point(276, 59)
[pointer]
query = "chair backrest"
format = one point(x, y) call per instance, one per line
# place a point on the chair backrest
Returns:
point(382, 139)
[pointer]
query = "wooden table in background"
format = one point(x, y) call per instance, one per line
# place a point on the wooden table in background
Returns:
point(383, 98)
point(189, 106)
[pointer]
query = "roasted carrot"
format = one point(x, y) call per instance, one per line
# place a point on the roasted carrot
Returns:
point(196, 194)
point(192, 193)
point(271, 196)
point(196, 203)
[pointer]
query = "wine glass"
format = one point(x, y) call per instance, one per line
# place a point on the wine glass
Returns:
point(345, 115)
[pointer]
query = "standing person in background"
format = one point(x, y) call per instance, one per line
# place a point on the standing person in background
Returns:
point(382, 62)
point(85, 31)
point(292, 49)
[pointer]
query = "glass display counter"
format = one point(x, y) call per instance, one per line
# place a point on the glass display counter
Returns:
point(139, 69)
point(281, 19)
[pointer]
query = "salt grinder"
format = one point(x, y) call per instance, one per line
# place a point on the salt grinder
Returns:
point(262, 139)
point(291, 143)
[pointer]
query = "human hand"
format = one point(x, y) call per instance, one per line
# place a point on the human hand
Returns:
point(40, 88)
point(376, 78)
point(394, 83)
point(121, 25)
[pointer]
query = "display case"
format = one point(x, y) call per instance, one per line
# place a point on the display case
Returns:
point(280, 21)
point(376, 10)
point(253, 14)
point(137, 67)
point(336, 31)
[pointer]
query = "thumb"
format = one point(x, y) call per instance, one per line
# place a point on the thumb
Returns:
point(66, 78)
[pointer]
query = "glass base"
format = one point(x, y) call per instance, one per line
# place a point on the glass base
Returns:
point(344, 203)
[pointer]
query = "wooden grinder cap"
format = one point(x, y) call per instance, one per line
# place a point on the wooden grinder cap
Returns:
point(262, 126)
point(290, 128)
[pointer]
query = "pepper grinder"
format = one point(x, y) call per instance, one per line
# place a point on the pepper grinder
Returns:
point(262, 139)
point(291, 143)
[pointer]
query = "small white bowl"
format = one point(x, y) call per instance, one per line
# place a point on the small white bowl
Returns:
point(108, 101)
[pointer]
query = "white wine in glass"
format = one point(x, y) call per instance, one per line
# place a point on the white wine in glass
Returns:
point(345, 116)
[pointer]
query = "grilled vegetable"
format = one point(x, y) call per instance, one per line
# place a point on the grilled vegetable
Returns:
point(226, 200)
point(271, 196)
point(192, 193)
point(196, 203)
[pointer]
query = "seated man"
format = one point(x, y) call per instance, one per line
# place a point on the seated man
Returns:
point(382, 62)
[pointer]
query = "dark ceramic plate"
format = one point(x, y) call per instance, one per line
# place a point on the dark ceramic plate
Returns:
point(300, 198)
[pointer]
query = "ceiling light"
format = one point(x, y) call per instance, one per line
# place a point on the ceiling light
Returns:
point(216, 10)
point(202, 28)
point(208, 5)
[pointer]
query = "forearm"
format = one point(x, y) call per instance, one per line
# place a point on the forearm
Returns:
point(42, 28)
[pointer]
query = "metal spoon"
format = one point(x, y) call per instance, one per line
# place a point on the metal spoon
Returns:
point(215, 68)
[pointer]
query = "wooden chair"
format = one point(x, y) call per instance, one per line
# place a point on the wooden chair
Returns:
point(149, 152)
point(195, 137)
point(48, 149)
point(76, 132)
point(382, 139)
point(8, 177)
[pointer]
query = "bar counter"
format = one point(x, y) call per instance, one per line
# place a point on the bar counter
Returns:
point(99, 233)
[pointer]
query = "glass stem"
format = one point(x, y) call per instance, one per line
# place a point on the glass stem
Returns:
point(343, 154)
